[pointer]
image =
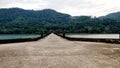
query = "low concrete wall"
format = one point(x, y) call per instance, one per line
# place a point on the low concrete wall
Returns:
point(116, 41)
point(20, 40)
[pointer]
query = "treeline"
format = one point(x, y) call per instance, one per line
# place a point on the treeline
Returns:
point(20, 21)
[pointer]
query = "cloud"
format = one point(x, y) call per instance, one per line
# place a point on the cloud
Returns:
point(25, 4)
point(73, 7)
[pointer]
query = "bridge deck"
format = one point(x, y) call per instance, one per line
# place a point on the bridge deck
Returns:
point(56, 52)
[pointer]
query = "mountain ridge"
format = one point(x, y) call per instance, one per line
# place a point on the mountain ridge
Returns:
point(114, 15)
point(17, 20)
point(109, 15)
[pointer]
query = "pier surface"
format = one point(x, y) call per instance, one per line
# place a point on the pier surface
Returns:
point(56, 52)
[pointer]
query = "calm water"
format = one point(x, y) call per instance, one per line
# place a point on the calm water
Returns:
point(102, 36)
point(17, 36)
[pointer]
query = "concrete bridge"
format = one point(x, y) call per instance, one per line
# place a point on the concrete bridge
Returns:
point(56, 52)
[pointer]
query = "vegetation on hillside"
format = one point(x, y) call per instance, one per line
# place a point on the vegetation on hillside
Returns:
point(20, 21)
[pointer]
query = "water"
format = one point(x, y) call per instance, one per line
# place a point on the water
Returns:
point(17, 36)
point(100, 36)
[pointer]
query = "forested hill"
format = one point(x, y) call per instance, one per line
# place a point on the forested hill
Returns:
point(115, 16)
point(17, 20)
point(46, 15)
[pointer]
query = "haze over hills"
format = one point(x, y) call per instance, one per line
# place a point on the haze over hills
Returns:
point(17, 20)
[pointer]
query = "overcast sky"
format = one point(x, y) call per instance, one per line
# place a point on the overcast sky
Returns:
point(72, 7)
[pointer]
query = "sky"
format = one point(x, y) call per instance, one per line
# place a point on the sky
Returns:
point(72, 7)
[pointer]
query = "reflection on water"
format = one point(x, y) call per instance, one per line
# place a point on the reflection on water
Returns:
point(103, 36)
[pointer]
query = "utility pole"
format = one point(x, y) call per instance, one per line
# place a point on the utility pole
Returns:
point(63, 34)
point(41, 34)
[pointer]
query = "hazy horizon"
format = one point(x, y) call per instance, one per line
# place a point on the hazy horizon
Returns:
point(74, 8)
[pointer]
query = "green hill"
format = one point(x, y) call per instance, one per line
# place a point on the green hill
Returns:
point(17, 20)
point(115, 16)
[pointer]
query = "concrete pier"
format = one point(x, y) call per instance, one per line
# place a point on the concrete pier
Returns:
point(56, 52)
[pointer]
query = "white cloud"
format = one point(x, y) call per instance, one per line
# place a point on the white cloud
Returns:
point(73, 7)
point(25, 4)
